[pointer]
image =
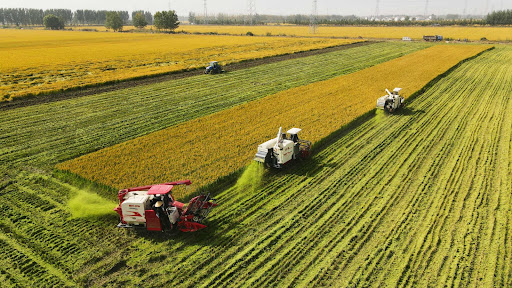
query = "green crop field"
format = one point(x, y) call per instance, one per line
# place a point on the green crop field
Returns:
point(415, 199)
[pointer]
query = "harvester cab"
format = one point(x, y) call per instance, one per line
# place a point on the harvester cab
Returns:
point(283, 149)
point(213, 68)
point(391, 102)
point(153, 208)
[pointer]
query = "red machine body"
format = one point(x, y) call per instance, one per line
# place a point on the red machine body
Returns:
point(153, 207)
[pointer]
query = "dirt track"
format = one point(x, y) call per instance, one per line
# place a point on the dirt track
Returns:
point(58, 96)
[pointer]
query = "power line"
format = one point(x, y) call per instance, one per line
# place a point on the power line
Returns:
point(313, 26)
point(426, 8)
point(205, 13)
point(465, 8)
point(251, 9)
point(377, 9)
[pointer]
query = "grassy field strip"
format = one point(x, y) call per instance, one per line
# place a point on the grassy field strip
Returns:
point(31, 213)
point(319, 109)
point(406, 200)
point(46, 134)
point(35, 260)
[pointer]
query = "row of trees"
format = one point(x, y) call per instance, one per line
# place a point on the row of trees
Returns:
point(224, 19)
point(27, 17)
point(500, 18)
point(164, 20)
point(494, 18)
point(57, 18)
point(22, 16)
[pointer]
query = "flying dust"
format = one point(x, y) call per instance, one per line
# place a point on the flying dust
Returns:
point(251, 178)
point(85, 204)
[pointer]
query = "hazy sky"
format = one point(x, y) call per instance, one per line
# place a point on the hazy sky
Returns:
point(284, 7)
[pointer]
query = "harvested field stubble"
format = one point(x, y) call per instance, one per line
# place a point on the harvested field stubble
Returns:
point(207, 148)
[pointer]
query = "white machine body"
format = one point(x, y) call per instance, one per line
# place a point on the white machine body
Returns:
point(391, 102)
point(134, 207)
point(280, 150)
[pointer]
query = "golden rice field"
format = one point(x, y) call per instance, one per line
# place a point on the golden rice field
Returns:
point(216, 145)
point(37, 61)
point(454, 32)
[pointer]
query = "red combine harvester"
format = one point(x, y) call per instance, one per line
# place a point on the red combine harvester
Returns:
point(152, 207)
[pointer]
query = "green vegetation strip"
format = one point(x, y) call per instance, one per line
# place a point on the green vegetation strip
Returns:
point(46, 134)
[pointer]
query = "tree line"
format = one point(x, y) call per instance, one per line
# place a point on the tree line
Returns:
point(57, 18)
point(33, 17)
point(495, 18)
point(163, 20)
point(503, 17)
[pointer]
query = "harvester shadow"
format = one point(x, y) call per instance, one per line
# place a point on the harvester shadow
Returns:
point(200, 238)
point(301, 167)
point(408, 111)
point(314, 165)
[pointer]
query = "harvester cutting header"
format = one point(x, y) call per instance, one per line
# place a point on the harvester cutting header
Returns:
point(153, 207)
point(282, 149)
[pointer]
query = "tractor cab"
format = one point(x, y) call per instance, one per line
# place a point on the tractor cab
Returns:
point(213, 68)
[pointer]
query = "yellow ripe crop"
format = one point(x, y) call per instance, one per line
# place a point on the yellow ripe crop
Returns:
point(216, 145)
point(454, 32)
point(35, 61)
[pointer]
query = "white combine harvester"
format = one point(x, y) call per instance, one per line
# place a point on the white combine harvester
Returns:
point(282, 149)
point(391, 102)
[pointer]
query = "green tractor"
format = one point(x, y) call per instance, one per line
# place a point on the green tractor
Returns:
point(213, 68)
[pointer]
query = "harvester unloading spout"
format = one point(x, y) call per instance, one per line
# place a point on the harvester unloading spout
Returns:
point(279, 139)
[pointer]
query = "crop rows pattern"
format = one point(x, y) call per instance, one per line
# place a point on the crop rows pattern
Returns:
point(43, 135)
point(210, 147)
point(35, 61)
point(420, 198)
point(41, 245)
